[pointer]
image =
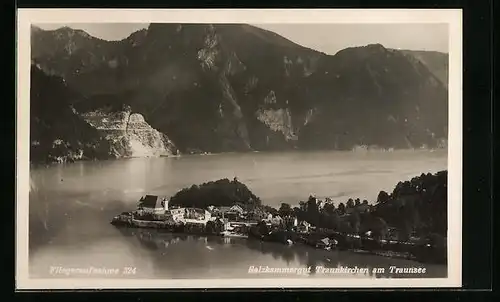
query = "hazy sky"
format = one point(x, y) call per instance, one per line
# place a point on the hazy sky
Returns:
point(328, 38)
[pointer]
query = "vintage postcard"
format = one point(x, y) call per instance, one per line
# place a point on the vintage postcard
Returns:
point(238, 148)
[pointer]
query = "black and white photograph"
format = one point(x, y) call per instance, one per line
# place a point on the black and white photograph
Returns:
point(242, 148)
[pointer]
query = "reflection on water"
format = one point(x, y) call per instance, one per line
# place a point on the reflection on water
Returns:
point(158, 254)
point(268, 254)
point(71, 206)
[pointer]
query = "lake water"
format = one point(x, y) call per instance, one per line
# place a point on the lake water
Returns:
point(71, 207)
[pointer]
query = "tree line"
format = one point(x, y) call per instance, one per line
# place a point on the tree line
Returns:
point(414, 207)
point(222, 192)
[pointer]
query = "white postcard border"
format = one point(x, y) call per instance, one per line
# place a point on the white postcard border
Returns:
point(453, 17)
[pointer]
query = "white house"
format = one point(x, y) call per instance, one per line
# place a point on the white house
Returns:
point(190, 215)
point(177, 214)
point(233, 213)
point(304, 226)
point(320, 204)
point(236, 208)
point(277, 220)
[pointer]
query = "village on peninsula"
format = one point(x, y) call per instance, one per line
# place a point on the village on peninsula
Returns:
point(408, 223)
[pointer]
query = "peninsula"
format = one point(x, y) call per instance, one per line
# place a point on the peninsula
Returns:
point(409, 222)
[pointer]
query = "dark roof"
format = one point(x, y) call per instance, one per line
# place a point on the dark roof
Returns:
point(197, 210)
point(224, 209)
point(238, 206)
point(150, 201)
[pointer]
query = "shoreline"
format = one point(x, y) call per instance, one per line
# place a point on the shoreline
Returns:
point(380, 253)
point(408, 220)
point(347, 242)
point(34, 165)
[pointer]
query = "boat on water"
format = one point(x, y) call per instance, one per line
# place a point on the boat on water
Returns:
point(326, 244)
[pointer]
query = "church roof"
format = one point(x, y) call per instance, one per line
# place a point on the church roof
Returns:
point(151, 201)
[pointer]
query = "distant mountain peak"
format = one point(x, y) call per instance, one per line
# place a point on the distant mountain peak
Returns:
point(35, 28)
point(375, 46)
point(369, 48)
point(64, 32)
point(137, 37)
point(372, 46)
point(72, 32)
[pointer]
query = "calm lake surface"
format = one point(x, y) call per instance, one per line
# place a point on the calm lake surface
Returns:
point(71, 206)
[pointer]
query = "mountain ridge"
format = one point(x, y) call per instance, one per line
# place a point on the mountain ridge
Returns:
point(37, 28)
point(436, 61)
point(226, 87)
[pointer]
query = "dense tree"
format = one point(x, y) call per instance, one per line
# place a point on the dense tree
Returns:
point(335, 221)
point(379, 227)
point(350, 203)
point(341, 208)
point(418, 205)
point(56, 131)
point(285, 210)
point(217, 193)
point(219, 226)
point(382, 197)
point(303, 205)
point(256, 214)
point(329, 208)
point(299, 213)
point(405, 231)
point(354, 221)
point(330, 221)
point(262, 228)
point(270, 210)
point(210, 227)
point(296, 211)
point(345, 227)
point(312, 212)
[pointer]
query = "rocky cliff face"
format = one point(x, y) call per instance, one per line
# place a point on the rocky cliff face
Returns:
point(129, 135)
point(234, 87)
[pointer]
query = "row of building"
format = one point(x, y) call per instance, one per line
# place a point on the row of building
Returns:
point(159, 206)
point(156, 205)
